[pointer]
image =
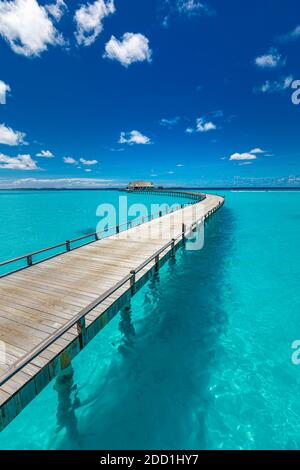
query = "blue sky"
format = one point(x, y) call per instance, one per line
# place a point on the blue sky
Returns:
point(182, 92)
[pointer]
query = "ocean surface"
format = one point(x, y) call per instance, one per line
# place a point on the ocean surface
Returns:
point(202, 360)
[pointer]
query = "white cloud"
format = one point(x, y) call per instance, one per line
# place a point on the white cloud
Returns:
point(184, 8)
point(27, 27)
point(133, 137)
point(257, 150)
point(70, 160)
point(88, 162)
point(171, 122)
point(131, 48)
point(251, 155)
point(293, 179)
point(56, 9)
point(179, 165)
point(112, 149)
point(88, 19)
point(270, 60)
point(57, 183)
point(4, 88)
point(194, 7)
point(45, 154)
point(21, 162)
point(10, 137)
point(245, 163)
point(275, 86)
point(243, 156)
point(217, 114)
point(291, 36)
point(202, 126)
point(88, 170)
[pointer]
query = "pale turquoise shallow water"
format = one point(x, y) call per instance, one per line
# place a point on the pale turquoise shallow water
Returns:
point(204, 359)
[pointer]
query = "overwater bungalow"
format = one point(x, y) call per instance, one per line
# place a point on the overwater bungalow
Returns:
point(140, 185)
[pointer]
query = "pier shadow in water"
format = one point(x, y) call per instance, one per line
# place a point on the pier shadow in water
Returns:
point(127, 330)
point(68, 402)
point(155, 395)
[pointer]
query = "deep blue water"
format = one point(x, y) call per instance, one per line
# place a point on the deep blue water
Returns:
point(203, 358)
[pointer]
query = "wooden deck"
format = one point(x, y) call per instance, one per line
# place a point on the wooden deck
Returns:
point(51, 310)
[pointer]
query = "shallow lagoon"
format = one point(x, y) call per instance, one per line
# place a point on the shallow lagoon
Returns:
point(203, 358)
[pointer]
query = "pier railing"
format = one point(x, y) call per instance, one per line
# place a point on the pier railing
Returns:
point(79, 320)
point(68, 245)
point(167, 192)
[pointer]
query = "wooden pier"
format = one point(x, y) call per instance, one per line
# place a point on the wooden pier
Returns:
point(50, 309)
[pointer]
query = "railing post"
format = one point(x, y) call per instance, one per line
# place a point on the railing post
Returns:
point(157, 263)
point(68, 246)
point(160, 213)
point(132, 282)
point(183, 231)
point(96, 236)
point(117, 229)
point(81, 332)
point(173, 247)
point(29, 260)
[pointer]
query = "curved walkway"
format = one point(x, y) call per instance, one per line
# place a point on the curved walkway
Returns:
point(51, 310)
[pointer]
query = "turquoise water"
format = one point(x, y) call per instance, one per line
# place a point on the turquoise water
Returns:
point(203, 358)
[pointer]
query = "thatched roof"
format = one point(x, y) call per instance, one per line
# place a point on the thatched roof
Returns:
point(140, 184)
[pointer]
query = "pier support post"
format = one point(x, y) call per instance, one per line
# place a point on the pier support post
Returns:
point(127, 329)
point(173, 247)
point(132, 282)
point(157, 263)
point(183, 231)
point(68, 401)
point(81, 329)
